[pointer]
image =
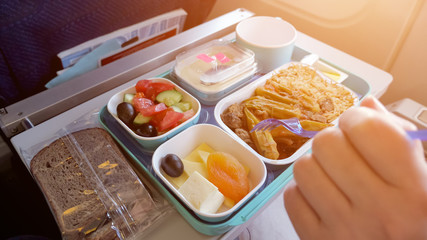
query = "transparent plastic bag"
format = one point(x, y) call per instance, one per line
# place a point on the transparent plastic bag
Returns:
point(132, 207)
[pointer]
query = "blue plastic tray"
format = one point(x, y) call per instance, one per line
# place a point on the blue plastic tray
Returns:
point(276, 178)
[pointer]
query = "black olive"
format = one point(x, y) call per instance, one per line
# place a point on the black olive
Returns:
point(126, 112)
point(146, 130)
point(172, 165)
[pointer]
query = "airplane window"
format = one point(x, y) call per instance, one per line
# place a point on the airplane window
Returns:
point(326, 10)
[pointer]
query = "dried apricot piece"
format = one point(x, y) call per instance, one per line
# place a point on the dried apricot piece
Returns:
point(228, 175)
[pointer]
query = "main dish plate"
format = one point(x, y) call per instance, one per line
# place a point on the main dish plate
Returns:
point(293, 90)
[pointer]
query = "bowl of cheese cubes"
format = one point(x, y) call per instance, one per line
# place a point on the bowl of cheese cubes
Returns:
point(209, 171)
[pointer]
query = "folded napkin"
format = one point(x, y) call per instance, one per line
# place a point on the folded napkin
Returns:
point(87, 63)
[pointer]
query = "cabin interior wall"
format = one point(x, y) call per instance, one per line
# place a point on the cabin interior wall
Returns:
point(389, 34)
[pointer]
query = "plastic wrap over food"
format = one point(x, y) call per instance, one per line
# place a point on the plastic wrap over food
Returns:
point(214, 69)
point(92, 190)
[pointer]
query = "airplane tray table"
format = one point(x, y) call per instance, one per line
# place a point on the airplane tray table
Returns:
point(276, 178)
point(363, 78)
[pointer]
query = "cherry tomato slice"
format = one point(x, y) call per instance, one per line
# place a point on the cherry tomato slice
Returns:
point(139, 95)
point(155, 88)
point(142, 85)
point(151, 110)
point(166, 119)
point(187, 115)
point(141, 103)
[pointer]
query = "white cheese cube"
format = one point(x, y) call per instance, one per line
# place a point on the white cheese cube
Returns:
point(201, 193)
point(190, 167)
point(204, 156)
point(177, 181)
point(212, 202)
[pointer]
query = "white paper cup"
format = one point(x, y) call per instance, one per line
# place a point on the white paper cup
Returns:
point(271, 39)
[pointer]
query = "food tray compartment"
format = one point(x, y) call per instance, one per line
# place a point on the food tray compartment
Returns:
point(194, 137)
point(214, 69)
point(248, 91)
point(277, 178)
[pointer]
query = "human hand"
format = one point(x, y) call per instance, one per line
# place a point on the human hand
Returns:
point(363, 180)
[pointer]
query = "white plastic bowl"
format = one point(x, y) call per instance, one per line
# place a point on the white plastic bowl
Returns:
point(186, 141)
point(151, 143)
point(248, 91)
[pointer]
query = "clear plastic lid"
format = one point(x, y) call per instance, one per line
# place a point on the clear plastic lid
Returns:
point(212, 63)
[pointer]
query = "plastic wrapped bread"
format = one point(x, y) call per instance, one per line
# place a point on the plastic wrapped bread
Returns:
point(91, 189)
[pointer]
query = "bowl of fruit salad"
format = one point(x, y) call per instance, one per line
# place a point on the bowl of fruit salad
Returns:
point(154, 110)
point(209, 171)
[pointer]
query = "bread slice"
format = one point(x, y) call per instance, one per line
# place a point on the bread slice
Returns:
point(72, 197)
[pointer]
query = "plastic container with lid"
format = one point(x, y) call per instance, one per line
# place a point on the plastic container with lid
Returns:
point(214, 69)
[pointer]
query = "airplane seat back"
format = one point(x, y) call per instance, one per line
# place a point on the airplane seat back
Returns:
point(33, 32)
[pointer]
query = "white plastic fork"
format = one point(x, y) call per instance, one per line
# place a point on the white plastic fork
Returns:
point(294, 125)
